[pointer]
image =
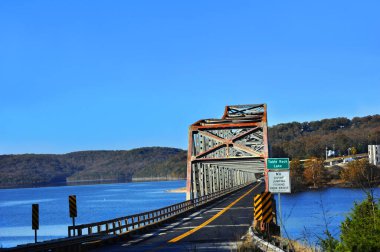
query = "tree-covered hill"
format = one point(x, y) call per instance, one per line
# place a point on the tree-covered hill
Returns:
point(33, 169)
point(294, 140)
point(309, 139)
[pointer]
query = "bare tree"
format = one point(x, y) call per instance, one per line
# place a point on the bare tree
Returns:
point(315, 172)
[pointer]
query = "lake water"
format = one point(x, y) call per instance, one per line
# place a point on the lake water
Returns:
point(303, 216)
point(94, 203)
point(302, 213)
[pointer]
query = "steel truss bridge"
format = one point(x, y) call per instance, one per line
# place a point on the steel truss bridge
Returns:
point(227, 152)
point(225, 158)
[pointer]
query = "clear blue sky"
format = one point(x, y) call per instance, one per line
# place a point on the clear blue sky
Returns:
point(111, 75)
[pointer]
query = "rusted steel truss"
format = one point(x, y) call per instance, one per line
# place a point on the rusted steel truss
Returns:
point(227, 152)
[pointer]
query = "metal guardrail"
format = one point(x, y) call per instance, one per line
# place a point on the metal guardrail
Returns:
point(127, 224)
point(99, 231)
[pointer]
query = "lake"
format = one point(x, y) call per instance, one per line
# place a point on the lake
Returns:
point(302, 214)
point(94, 202)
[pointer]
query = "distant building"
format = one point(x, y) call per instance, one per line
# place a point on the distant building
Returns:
point(374, 154)
point(347, 160)
point(330, 153)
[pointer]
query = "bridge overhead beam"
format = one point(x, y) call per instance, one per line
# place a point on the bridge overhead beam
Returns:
point(227, 152)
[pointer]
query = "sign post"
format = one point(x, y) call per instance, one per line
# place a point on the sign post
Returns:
point(279, 178)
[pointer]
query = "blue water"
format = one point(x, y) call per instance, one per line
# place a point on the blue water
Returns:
point(94, 203)
point(303, 213)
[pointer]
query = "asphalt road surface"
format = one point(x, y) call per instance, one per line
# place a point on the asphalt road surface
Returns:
point(218, 227)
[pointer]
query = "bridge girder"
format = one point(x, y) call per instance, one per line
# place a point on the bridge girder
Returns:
point(227, 152)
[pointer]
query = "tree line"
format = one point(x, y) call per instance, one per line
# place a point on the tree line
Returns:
point(313, 174)
point(294, 140)
point(36, 169)
point(310, 139)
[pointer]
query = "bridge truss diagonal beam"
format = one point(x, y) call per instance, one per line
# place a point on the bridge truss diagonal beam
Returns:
point(227, 152)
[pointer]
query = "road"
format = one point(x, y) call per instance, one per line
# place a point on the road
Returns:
point(219, 227)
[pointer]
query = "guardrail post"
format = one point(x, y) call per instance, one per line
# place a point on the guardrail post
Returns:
point(126, 224)
point(113, 227)
point(120, 226)
point(133, 223)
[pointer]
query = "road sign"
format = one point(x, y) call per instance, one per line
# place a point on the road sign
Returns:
point(279, 181)
point(73, 206)
point(35, 217)
point(277, 163)
point(35, 220)
point(263, 207)
point(258, 207)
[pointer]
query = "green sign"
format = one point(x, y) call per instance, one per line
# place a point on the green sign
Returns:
point(277, 163)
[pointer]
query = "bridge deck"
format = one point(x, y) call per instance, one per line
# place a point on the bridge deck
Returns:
point(218, 227)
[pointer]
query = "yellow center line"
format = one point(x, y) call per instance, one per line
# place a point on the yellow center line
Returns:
point(211, 219)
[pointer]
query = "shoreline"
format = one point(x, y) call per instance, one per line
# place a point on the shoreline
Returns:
point(158, 179)
point(328, 186)
point(84, 182)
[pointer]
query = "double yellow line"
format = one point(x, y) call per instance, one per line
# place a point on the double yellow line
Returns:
point(176, 239)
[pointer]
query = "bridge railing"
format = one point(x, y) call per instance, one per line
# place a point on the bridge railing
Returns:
point(126, 224)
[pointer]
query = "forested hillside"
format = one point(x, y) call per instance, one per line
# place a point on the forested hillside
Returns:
point(31, 169)
point(294, 140)
point(309, 139)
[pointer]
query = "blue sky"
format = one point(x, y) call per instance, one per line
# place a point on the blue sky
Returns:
point(111, 75)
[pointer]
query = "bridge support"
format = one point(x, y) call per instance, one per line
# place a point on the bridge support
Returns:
point(224, 153)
